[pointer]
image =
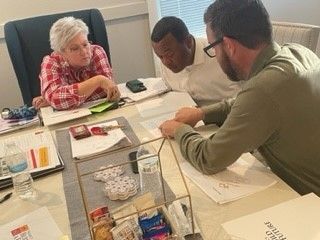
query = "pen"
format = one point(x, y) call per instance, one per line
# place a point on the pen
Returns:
point(5, 197)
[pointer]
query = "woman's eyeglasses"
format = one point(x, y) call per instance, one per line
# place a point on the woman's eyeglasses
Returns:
point(76, 49)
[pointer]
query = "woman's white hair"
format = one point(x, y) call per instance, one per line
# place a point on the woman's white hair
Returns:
point(64, 30)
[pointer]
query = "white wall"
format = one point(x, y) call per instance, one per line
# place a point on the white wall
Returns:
point(301, 11)
point(127, 25)
point(128, 30)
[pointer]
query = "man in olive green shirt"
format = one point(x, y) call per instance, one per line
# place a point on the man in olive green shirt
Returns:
point(278, 110)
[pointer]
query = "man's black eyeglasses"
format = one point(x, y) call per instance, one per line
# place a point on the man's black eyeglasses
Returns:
point(209, 49)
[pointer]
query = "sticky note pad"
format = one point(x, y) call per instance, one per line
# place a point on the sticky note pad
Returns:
point(43, 156)
point(101, 107)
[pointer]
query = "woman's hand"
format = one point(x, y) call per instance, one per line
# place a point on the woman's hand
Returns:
point(39, 102)
point(111, 89)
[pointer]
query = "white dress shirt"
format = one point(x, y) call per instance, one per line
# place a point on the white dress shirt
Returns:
point(203, 80)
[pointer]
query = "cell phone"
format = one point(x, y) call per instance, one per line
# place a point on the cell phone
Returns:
point(134, 165)
point(135, 86)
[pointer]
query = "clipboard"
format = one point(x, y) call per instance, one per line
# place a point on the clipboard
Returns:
point(41, 152)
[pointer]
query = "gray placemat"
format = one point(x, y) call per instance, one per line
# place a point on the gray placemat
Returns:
point(93, 190)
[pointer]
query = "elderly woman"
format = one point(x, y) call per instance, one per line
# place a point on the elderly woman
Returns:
point(76, 71)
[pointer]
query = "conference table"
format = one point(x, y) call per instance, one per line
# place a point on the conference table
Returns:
point(208, 214)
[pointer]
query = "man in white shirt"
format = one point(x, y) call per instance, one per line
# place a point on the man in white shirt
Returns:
point(185, 67)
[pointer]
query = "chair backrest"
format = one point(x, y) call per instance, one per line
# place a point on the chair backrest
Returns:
point(28, 42)
point(304, 34)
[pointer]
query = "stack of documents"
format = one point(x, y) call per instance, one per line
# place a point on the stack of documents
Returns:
point(246, 176)
point(41, 153)
point(97, 144)
point(158, 110)
point(50, 116)
point(155, 86)
point(296, 219)
point(11, 125)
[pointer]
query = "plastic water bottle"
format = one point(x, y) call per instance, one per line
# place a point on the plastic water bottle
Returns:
point(149, 171)
point(17, 164)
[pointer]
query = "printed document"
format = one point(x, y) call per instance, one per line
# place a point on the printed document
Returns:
point(36, 225)
point(50, 116)
point(158, 110)
point(152, 125)
point(10, 125)
point(40, 150)
point(246, 176)
point(170, 102)
point(297, 219)
point(96, 144)
point(155, 86)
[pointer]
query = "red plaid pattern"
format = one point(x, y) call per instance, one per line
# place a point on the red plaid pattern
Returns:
point(59, 81)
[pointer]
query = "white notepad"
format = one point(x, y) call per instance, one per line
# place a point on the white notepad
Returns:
point(297, 219)
point(51, 116)
point(97, 144)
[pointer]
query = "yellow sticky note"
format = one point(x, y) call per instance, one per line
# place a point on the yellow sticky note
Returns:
point(43, 156)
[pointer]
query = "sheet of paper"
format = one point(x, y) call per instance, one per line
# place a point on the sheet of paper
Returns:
point(170, 102)
point(51, 116)
point(152, 125)
point(96, 144)
point(296, 219)
point(246, 176)
point(39, 148)
point(36, 225)
point(13, 125)
point(155, 86)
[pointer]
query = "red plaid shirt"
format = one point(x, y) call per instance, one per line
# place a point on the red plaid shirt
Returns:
point(59, 81)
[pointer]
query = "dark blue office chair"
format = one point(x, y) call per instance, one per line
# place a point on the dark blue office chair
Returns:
point(28, 42)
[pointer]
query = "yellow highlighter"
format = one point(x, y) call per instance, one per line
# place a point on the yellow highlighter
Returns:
point(43, 156)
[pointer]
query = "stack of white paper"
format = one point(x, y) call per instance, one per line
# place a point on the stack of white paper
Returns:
point(296, 219)
point(154, 86)
point(169, 103)
point(97, 144)
point(158, 110)
point(11, 125)
point(246, 176)
point(40, 150)
point(51, 116)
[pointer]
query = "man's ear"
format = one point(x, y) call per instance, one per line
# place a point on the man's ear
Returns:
point(229, 45)
point(189, 41)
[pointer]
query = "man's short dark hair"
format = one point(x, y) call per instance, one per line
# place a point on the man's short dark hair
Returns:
point(172, 25)
point(245, 20)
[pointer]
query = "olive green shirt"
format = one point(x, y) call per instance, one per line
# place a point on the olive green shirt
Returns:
point(277, 112)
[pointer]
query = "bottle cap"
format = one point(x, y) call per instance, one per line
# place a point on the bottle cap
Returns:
point(5, 113)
